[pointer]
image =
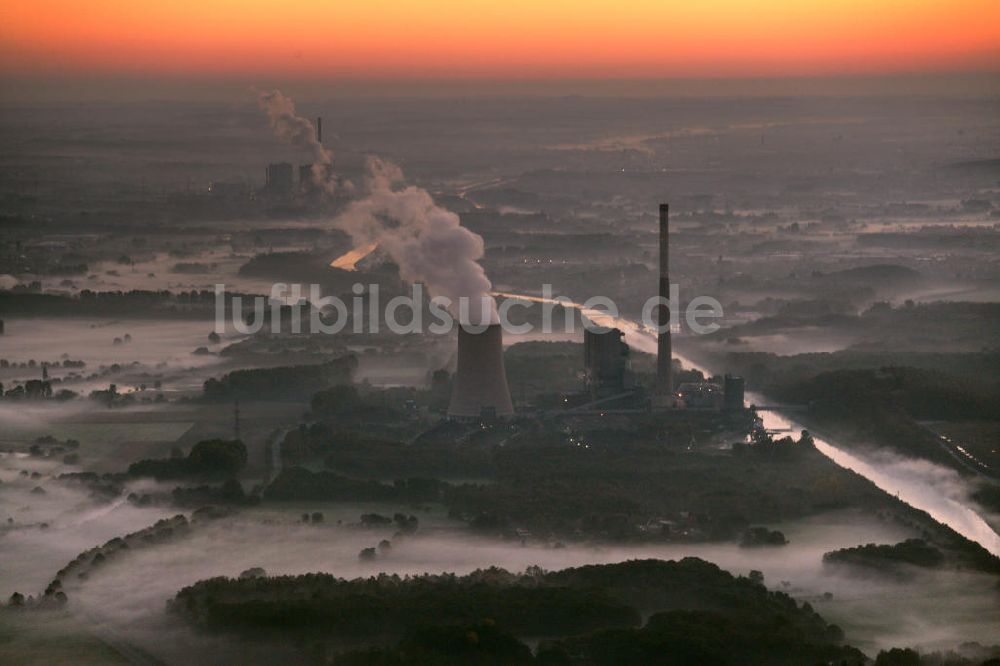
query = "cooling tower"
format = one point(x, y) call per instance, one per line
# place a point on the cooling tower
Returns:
point(480, 386)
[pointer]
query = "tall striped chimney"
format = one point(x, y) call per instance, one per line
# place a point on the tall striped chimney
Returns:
point(664, 351)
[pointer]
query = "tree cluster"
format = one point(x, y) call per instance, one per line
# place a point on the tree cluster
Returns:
point(211, 458)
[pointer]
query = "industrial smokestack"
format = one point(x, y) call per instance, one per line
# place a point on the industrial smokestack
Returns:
point(319, 129)
point(480, 387)
point(664, 351)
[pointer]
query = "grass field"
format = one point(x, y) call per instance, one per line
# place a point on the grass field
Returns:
point(51, 638)
point(107, 446)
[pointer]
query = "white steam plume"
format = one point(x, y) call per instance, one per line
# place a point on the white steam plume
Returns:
point(425, 240)
point(299, 132)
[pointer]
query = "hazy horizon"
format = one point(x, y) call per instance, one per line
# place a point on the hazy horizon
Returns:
point(105, 88)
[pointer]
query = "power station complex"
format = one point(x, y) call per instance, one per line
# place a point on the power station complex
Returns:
point(480, 390)
point(279, 181)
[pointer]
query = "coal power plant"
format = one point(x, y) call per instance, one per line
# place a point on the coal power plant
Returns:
point(606, 363)
point(611, 386)
point(480, 391)
point(280, 177)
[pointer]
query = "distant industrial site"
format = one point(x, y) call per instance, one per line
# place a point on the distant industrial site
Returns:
point(780, 447)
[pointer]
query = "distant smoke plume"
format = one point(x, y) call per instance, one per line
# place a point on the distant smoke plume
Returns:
point(299, 132)
point(425, 240)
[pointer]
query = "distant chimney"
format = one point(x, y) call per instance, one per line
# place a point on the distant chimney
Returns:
point(480, 388)
point(664, 351)
point(319, 128)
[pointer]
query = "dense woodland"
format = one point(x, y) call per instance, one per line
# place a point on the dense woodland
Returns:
point(591, 614)
point(215, 458)
point(913, 552)
point(280, 383)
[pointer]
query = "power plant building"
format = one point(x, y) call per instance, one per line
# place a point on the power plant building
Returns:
point(479, 390)
point(734, 390)
point(606, 363)
point(306, 182)
point(280, 179)
point(701, 395)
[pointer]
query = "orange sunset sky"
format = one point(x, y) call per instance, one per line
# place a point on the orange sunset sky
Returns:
point(515, 38)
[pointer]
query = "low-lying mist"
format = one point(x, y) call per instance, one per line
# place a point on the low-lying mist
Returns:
point(127, 596)
point(113, 351)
